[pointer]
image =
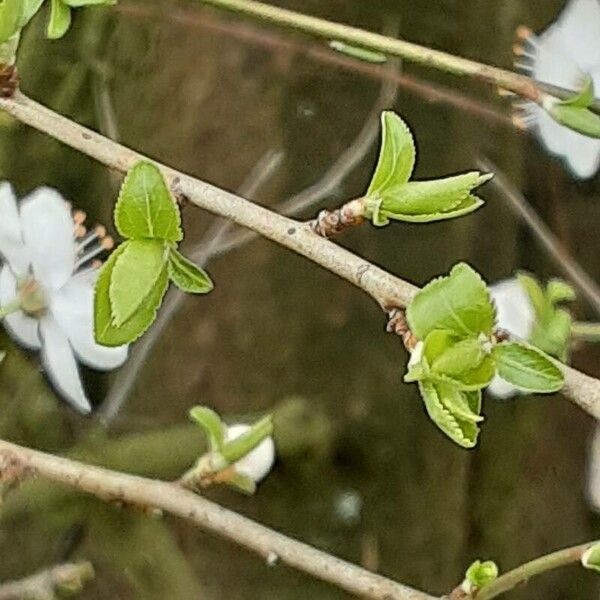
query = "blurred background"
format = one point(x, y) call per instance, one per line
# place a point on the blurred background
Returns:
point(362, 472)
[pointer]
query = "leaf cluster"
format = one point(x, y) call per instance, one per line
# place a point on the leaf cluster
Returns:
point(552, 328)
point(457, 355)
point(133, 281)
point(392, 196)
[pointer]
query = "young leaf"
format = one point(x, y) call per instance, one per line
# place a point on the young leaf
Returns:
point(535, 292)
point(463, 405)
point(357, 52)
point(244, 444)
point(430, 197)
point(591, 558)
point(145, 208)
point(558, 291)
point(527, 368)
point(187, 276)
point(105, 332)
point(461, 357)
point(14, 15)
point(136, 272)
point(464, 433)
point(212, 425)
point(479, 574)
point(585, 97)
point(459, 303)
point(396, 157)
point(79, 3)
point(60, 20)
point(582, 120)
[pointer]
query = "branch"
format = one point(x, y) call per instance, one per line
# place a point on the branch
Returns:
point(387, 290)
point(522, 574)
point(561, 256)
point(112, 486)
point(514, 82)
point(70, 577)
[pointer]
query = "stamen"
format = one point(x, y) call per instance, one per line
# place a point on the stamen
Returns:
point(80, 231)
point(97, 233)
point(520, 123)
point(504, 93)
point(79, 217)
point(106, 244)
point(523, 32)
point(523, 67)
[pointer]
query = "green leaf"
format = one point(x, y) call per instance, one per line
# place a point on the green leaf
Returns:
point(396, 157)
point(468, 205)
point(582, 120)
point(244, 444)
point(461, 357)
point(105, 331)
point(591, 558)
point(535, 292)
point(464, 433)
point(14, 15)
point(357, 52)
point(558, 291)
point(553, 334)
point(136, 272)
point(212, 425)
point(187, 276)
point(480, 574)
point(60, 20)
point(527, 368)
point(459, 303)
point(430, 197)
point(462, 405)
point(584, 98)
point(145, 208)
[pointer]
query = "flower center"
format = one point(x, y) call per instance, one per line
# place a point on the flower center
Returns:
point(32, 298)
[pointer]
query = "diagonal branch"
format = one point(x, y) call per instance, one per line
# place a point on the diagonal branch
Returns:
point(113, 486)
point(386, 289)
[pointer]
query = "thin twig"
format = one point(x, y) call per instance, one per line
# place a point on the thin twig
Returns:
point(561, 256)
point(171, 498)
point(70, 577)
point(386, 289)
point(523, 573)
point(216, 242)
point(264, 38)
point(514, 82)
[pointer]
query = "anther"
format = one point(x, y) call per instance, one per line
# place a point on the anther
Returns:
point(100, 231)
point(79, 217)
point(523, 32)
point(80, 231)
point(107, 243)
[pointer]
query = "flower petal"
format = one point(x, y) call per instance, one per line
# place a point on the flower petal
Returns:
point(501, 389)
point(22, 328)
point(60, 364)
point(257, 463)
point(48, 233)
point(72, 307)
point(12, 247)
point(514, 311)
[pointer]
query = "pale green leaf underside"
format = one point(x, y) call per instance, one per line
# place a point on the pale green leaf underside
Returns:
point(585, 96)
point(591, 558)
point(80, 3)
point(527, 368)
point(459, 303)
point(464, 433)
point(145, 208)
point(135, 273)
point(60, 19)
point(212, 425)
point(104, 330)
point(579, 119)
point(187, 276)
point(14, 15)
point(396, 156)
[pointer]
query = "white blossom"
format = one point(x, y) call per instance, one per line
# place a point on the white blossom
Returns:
point(50, 269)
point(515, 314)
point(563, 55)
point(257, 463)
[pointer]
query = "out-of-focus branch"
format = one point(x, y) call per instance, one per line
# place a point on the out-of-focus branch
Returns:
point(112, 486)
point(274, 42)
point(69, 578)
point(573, 271)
